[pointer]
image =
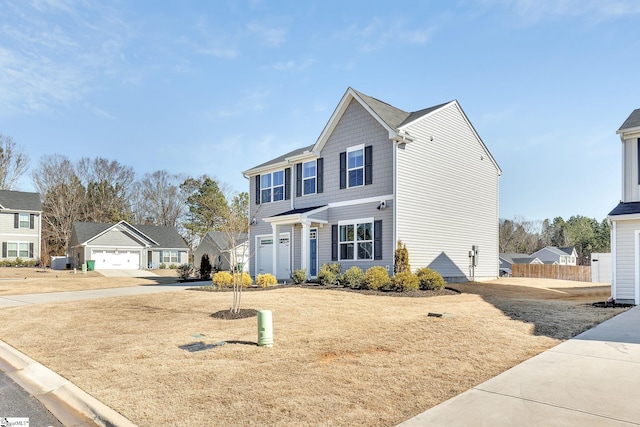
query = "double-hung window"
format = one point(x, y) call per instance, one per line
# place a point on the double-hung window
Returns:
point(169, 256)
point(272, 187)
point(17, 249)
point(309, 177)
point(356, 240)
point(23, 221)
point(355, 166)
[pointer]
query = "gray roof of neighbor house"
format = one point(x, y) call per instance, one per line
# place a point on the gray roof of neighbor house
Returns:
point(20, 200)
point(568, 249)
point(633, 121)
point(224, 241)
point(626, 209)
point(514, 258)
point(165, 237)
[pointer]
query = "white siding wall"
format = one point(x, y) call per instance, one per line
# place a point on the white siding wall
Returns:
point(447, 197)
point(25, 235)
point(631, 189)
point(625, 272)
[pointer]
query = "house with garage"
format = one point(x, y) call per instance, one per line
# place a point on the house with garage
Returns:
point(376, 175)
point(507, 260)
point(125, 246)
point(555, 255)
point(20, 225)
point(625, 218)
point(226, 251)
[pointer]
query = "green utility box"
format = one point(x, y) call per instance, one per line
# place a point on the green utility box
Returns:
point(91, 264)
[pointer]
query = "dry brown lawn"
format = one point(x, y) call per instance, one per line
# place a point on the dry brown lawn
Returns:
point(339, 358)
point(21, 281)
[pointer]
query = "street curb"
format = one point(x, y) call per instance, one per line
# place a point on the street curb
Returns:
point(41, 381)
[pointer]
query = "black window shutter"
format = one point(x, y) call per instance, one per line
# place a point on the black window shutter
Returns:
point(287, 184)
point(257, 189)
point(343, 170)
point(320, 176)
point(4, 249)
point(368, 165)
point(32, 221)
point(298, 179)
point(334, 242)
point(30, 250)
point(16, 220)
point(377, 239)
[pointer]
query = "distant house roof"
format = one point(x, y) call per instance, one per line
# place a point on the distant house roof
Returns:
point(568, 249)
point(626, 209)
point(20, 201)
point(224, 240)
point(515, 258)
point(633, 121)
point(554, 250)
point(159, 236)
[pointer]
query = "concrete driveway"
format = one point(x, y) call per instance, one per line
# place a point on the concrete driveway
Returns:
point(127, 273)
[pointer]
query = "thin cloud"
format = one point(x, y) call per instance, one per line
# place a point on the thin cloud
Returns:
point(270, 36)
point(292, 65)
point(533, 11)
point(378, 34)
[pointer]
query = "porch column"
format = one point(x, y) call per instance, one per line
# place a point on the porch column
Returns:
point(304, 247)
point(276, 249)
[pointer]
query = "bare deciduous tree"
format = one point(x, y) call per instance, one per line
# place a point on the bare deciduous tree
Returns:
point(13, 163)
point(157, 199)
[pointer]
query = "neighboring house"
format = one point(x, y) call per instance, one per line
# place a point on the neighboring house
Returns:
point(20, 225)
point(555, 255)
point(625, 218)
point(507, 260)
point(125, 246)
point(377, 175)
point(222, 255)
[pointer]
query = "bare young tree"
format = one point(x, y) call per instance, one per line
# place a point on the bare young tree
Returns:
point(13, 163)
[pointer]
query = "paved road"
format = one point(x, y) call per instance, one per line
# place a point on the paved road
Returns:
point(17, 403)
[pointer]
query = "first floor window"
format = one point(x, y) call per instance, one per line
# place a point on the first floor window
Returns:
point(17, 249)
point(12, 250)
point(356, 240)
point(170, 256)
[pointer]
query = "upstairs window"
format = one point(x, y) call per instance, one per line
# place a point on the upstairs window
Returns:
point(24, 220)
point(272, 187)
point(355, 167)
point(309, 177)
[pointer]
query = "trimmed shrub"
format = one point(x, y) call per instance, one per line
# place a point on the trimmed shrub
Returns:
point(401, 259)
point(353, 277)
point(205, 267)
point(173, 266)
point(163, 266)
point(264, 280)
point(430, 279)
point(299, 276)
point(329, 274)
point(185, 271)
point(245, 279)
point(405, 281)
point(376, 278)
point(222, 279)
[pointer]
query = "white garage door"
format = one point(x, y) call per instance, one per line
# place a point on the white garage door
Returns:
point(122, 260)
point(265, 256)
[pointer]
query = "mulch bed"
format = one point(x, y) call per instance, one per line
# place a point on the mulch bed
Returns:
point(606, 304)
point(243, 313)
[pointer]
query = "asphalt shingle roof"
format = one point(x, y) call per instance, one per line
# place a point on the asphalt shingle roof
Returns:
point(626, 209)
point(166, 237)
point(633, 121)
point(299, 211)
point(20, 200)
point(223, 240)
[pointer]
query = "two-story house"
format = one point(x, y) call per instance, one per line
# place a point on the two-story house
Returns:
point(20, 225)
point(625, 218)
point(554, 255)
point(376, 175)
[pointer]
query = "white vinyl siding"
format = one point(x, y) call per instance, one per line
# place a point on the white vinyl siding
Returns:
point(630, 187)
point(447, 197)
point(626, 258)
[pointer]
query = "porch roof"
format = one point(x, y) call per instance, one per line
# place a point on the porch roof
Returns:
point(298, 215)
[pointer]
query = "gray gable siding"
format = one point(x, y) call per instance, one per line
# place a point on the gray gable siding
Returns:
point(355, 127)
point(447, 197)
point(116, 237)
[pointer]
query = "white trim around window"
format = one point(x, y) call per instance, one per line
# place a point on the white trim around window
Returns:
point(356, 240)
point(309, 177)
point(17, 249)
point(355, 166)
point(24, 220)
point(272, 186)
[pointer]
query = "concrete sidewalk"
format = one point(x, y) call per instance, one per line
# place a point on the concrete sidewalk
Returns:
point(590, 380)
point(18, 300)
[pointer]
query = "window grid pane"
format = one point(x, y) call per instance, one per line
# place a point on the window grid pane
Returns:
point(12, 250)
point(365, 250)
point(310, 186)
point(278, 193)
point(24, 220)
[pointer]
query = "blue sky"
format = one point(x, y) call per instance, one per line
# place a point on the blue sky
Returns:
point(215, 88)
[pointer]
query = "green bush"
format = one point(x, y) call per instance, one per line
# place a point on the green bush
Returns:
point(430, 279)
point(173, 266)
point(163, 266)
point(376, 278)
point(401, 259)
point(405, 281)
point(353, 277)
point(299, 276)
point(329, 274)
point(264, 280)
point(185, 271)
point(222, 279)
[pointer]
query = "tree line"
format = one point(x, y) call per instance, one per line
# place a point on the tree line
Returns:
point(106, 191)
point(587, 235)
